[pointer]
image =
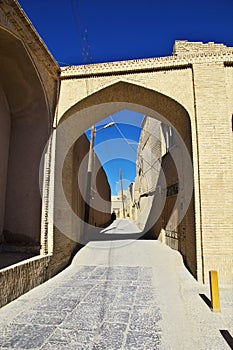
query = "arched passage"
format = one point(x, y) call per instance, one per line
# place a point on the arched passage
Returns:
point(103, 103)
point(24, 129)
point(136, 98)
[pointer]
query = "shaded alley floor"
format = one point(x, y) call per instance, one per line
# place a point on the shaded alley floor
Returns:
point(123, 294)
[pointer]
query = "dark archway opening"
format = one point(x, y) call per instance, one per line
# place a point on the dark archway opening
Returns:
point(24, 129)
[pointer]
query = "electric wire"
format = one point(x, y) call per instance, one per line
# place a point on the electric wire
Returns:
point(144, 159)
point(87, 59)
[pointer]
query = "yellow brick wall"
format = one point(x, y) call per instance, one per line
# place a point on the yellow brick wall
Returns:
point(215, 158)
point(198, 86)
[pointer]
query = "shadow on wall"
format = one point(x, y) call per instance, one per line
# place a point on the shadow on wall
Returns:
point(165, 221)
point(23, 107)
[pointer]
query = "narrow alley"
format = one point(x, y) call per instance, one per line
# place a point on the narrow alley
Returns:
point(122, 294)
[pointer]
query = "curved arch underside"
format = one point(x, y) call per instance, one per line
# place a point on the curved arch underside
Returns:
point(119, 96)
point(23, 134)
point(134, 97)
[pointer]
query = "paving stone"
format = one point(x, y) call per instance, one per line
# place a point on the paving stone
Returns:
point(71, 336)
point(143, 318)
point(145, 296)
point(118, 316)
point(110, 337)
point(108, 285)
point(122, 299)
point(139, 341)
point(41, 318)
point(64, 346)
point(114, 308)
point(77, 293)
point(29, 337)
point(122, 273)
point(58, 304)
point(85, 316)
point(99, 297)
point(128, 289)
point(8, 330)
point(101, 307)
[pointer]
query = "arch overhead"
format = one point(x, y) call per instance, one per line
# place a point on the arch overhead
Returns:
point(24, 128)
point(192, 91)
point(124, 95)
point(109, 100)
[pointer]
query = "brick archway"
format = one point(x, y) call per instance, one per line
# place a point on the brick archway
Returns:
point(194, 83)
point(116, 97)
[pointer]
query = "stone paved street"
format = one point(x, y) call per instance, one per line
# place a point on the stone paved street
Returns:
point(95, 307)
point(116, 295)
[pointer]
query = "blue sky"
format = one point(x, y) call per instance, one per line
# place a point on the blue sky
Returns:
point(116, 147)
point(91, 31)
point(127, 29)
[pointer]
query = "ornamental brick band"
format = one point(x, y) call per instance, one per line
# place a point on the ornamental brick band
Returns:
point(184, 54)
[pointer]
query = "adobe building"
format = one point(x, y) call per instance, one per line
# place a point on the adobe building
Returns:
point(148, 167)
point(121, 206)
point(157, 204)
point(45, 110)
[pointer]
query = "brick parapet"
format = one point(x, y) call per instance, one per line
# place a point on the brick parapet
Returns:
point(18, 279)
point(183, 47)
point(148, 64)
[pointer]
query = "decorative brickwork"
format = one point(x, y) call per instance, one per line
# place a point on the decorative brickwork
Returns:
point(184, 55)
point(195, 83)
point(184, 47)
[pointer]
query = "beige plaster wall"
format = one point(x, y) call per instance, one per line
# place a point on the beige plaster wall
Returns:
point(28, 135)
point(69, 231)
point(23, 78)
point(23, 200)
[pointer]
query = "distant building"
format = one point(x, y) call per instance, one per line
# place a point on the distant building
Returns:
point(150, 149)
point(117, 203)
point(156, 206)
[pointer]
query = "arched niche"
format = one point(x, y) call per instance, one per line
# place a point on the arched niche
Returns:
point(24, 130)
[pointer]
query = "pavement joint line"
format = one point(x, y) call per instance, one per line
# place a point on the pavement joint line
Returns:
point(134, 282)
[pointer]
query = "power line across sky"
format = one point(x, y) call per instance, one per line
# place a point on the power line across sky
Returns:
point(89, 31)
point(126, 29)
point(116, 147)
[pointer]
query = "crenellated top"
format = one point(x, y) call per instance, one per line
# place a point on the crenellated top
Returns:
point(184, 54)
point(184, 47)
